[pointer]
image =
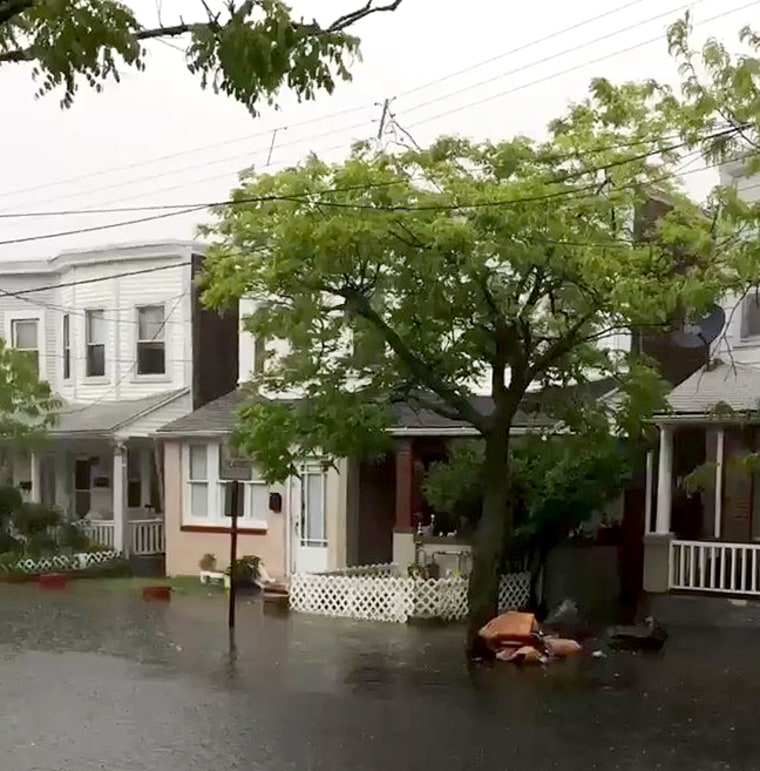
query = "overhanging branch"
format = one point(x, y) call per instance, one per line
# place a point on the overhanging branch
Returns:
point(9, 9)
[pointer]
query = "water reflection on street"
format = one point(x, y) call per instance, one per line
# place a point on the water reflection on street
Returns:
point(95, 680)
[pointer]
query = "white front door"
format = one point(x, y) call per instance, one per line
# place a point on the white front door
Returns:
point(309, 521)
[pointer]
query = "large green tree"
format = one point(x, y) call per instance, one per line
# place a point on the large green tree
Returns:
point(421, 275)
point(248, 50)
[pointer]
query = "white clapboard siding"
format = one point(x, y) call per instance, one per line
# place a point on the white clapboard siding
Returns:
point(147, 425)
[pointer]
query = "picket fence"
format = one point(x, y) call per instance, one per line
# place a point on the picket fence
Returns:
point(379, 593)
point(59, 562)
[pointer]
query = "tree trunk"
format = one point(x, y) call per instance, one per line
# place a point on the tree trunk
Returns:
point(490, 542)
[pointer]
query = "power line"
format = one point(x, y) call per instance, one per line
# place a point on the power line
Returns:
point(551, 57)
point(558, 157)
point(399, 208)
point(181, 153)
point(96, 279)
point(568, 70)
point(518, 50)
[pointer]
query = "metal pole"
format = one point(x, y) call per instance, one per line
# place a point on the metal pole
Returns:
point(234, 502)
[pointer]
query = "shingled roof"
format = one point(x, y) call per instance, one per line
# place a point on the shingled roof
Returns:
point(737, 386)
point(218, 417)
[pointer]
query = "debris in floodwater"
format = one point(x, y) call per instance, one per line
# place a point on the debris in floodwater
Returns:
point(650, 635)
point(518, 638)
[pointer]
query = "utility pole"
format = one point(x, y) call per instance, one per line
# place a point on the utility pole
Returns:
point(383, 118)
point(271, 145)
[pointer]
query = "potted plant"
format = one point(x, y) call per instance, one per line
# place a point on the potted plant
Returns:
point(207, 563)
point(246, 573)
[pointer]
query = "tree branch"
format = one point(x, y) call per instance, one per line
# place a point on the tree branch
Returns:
point(420, 369)
point(11, 8)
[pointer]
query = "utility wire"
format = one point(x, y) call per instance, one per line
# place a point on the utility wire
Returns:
point(568, 70)
point(519, 49)
point(336, 114)
point(558, 179)
point(551, 57)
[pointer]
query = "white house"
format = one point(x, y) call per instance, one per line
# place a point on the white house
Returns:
point(120, 335)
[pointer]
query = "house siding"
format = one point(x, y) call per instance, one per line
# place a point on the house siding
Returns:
point(149, 424)
point(184, 549)
point(36, 305)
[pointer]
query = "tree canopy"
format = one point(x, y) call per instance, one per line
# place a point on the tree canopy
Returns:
point(248, 50)
point(425, 275)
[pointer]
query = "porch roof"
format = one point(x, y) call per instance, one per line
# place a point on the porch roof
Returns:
point(104, 418)
point(735, 387)
point(218, 417)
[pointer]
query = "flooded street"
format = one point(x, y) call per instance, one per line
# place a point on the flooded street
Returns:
point(100, 680)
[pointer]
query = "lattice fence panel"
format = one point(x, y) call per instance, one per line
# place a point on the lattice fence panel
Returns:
point(514, 591)
point(59, 562)
point(362, 597)
point(388, 598)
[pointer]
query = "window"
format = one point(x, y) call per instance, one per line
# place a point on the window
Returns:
point(198, 481)
point(151, 345)
point(25, 340)
point(95, 335)
point(66, 347)
point(313, 525)
point(750, 316)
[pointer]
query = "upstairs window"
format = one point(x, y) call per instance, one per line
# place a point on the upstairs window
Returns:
point(750, 316)
point(151, 340)
point(25, 339)
point(95, 334)
point(66, 346)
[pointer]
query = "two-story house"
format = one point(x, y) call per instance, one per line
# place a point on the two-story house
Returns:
point(702, 535)
point(122, 338)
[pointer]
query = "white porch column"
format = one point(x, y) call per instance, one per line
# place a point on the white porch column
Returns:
point(35, 494)
point(121, 533)
point(719, 456)
point(648, 492)
point(665, 481)
point(62, 500)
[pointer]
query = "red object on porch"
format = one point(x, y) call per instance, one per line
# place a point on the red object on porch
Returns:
point(53, 581)
point(157, 593)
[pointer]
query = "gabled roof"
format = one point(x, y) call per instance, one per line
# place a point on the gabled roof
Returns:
point(218, 417)
point(103, 418)
point(737, 386)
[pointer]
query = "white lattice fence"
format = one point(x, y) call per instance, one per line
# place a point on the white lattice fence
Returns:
point(387, 598)
point(59, 562)
point(370, 598)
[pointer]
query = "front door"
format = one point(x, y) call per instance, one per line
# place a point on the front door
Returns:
point(308, 517)
point(82, 486)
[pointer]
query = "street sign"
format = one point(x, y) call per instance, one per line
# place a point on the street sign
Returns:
point(236, 469)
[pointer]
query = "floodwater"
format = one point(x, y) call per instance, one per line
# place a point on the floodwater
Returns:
point(101, 680)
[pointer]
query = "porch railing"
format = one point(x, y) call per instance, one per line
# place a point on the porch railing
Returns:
point(729, 568)
point(100, 532)
point(147, 536)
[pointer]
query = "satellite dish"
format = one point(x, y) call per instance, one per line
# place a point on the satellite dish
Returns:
point(702, 333)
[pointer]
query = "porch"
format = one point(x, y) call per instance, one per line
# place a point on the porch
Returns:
point(101, 467)
point(702, 531)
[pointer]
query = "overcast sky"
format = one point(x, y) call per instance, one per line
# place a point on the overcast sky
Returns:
point(111, 149)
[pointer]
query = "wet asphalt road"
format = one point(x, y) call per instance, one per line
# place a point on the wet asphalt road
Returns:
point(92, 680)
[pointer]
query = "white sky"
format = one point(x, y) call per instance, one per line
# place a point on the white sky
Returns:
point(71, 159)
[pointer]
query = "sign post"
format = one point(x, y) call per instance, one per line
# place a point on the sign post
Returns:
point(234, 470)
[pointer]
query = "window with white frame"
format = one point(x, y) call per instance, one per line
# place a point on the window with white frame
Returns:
point(151, 340)
point(750, 316)
point(95, 339)
point(25, 338)
point(198, 481)
point(66, 344)
point(206, 490)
